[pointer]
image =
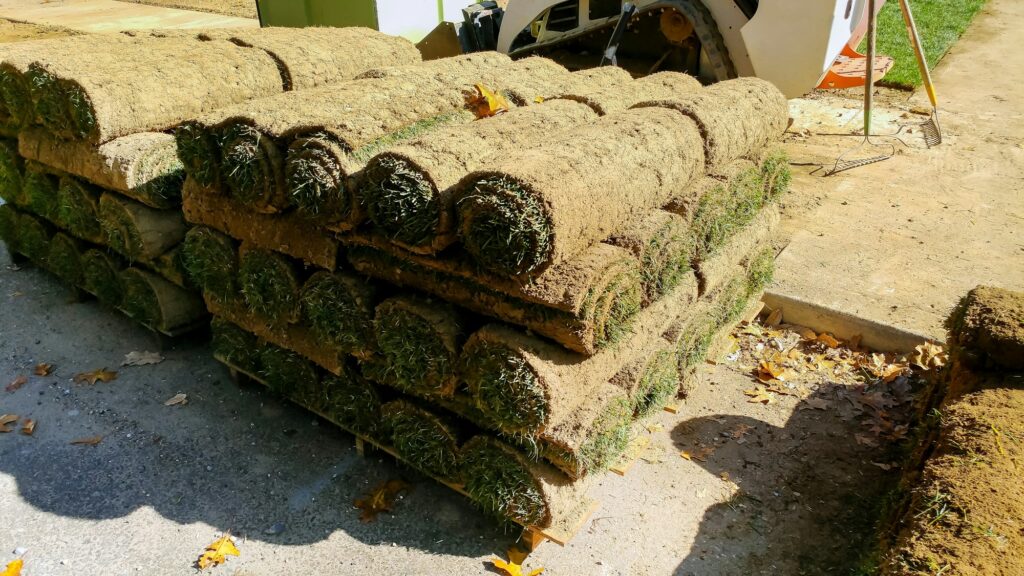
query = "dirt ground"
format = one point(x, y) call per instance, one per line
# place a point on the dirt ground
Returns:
point(20, 31)
point(241, 8)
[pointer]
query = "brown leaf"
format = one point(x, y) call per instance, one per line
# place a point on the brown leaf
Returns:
point(759, 395)
point(380, 500)
point(805, 332)
point(101, 375)
point(768, 371)
point(884, 466)
point(6, 420)
point(142, 358)
point(177, 399)
point(90, 441)
point(774, 319)
point(828, 340)
point(740, 431)
point(28, 427)
point(928, 355)
point(43, 369)
point(854, 341)
point(18, 382)
point(865, 440)
point(486, 102)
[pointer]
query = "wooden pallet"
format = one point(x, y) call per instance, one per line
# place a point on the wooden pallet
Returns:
point(532, 536)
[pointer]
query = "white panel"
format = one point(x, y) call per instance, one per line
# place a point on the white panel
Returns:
point(412, 19)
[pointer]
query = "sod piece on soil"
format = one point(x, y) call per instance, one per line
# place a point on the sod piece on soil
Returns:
point(286, 372)
point(65, 258)
point(211, 260)
point(270, 284)
point(235, 346)
point(101, 276)
point(504, 482)
point(159, 304)
point(39, 189)
point(137, 231)
point(340, 309)
point(144, 166)
point(420, 340)
point(12, 166)
point(34, 238)
point(549, 203)
point(423, 439)
point(736, 117)
point(78, 209)
point(102, 96)
point(662, 244)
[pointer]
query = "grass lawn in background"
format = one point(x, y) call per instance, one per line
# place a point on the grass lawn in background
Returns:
point(939, 22)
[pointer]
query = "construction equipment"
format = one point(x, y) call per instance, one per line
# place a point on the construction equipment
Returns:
point(796, 44)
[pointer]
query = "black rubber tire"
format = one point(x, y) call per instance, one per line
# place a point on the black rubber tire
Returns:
point(707, 32)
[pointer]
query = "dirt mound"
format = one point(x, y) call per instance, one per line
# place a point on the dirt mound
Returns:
point(989, 325)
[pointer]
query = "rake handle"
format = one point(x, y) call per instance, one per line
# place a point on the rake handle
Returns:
point(869, 79)
point(915, 40)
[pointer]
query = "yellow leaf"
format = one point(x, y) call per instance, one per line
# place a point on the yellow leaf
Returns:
point(514, 565)
point(768, 371)
point(101, 375)
point(539, 100)
point(759, 395)
point(28, 427)
point(43, 369)
point(380, 500)
point(828, 340)
point(217, 553)
point(13, 568)
point(486, 102)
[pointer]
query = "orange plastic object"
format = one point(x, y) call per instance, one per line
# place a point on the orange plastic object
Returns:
point(850, 68)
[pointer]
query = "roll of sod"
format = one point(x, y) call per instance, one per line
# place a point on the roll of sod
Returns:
point(78, 206)
point(420, 340)
point(34, 237)
point(775, 172)
point(423, 439)
point(548, 204)
point(504, 482)
point(726, 207)
point(663, 246)
point(39, 189)
point(629, 93)
point(235, 346)
point(408, 190)
point(339, 308)
point(586, 304)
point(593, 436)
point(353, 402)
point(760, 267)
point(286, 372)
point(715, 269)
point(270, 284)
point(532, 80)
point(159, 304)
point(333, 122)
point(137, 231)
point(736, 117)
point(101, 276)
point(65, 258)
point(12, 166)
point(171, 265)
point(651, 381)
point(143, 166)
point(211, 260)
point(102, 96)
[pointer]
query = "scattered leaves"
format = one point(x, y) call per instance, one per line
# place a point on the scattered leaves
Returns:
point(18, 382)
point(142, 358)
point(759, 395)
point(216, 553)
point(13, 568)
point(43, 369)
point(90, 441)
point(101, 375)
point(28, 427)
point(774, 318)
point(176, 400)
point(929, 355)
point(514, 567)
point(486, 102)
point(380, 500)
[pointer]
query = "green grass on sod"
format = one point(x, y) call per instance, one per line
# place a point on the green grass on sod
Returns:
point(939, 22)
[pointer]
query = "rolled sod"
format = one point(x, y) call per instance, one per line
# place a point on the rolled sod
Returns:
point(352, 402)
point(211, 261)
point(137, 231)
point(423, 439)
point(270, 284)
point(585, 304)
point(715, 269)
point(549, 203)
point(420, 340)
point(340, 308)
point(39, 189)
point(505, 482)
point(101, 276)
point(663, 246)
point(651, 381)
point(9, 218)
point(235, 346)
point(286, 372)
point(143, 166)
point(726, 207)
point(594, 436)
point(254, 138)
point(629, 93)
point(65, 258)
point(736, 117)
point(157, 303)
point(12, 167)
point(102, 96)
point(34, 237)
point(78, 206)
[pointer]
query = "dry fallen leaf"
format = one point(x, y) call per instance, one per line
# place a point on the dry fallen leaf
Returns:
point(828, 340)
point(90, 441)
point(884, 466)
point(514, 567)
point(486, 102)
point(380, 500)
point(101, 375)
point(6, 419)
point(18, 382)
point(740, 431)
point(774, 319)
point(759, 395)
point(177, 399)
point(217, 552)
point(43, 369)
point(13, 568)
point(142, 358)
point(28, 427)
point(805, 332)
point(928, 355)
point(768, 371)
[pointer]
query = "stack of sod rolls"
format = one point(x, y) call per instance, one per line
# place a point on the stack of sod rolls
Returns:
point(496, 300)
point(90, 175)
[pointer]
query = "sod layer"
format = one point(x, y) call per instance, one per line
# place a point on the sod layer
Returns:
point(422, 438)
point(137, 231)
point(101, 276)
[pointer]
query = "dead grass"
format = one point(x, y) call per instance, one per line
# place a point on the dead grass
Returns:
point(240, 8)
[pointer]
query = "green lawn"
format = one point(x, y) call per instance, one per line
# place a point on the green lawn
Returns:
point(940, 23)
